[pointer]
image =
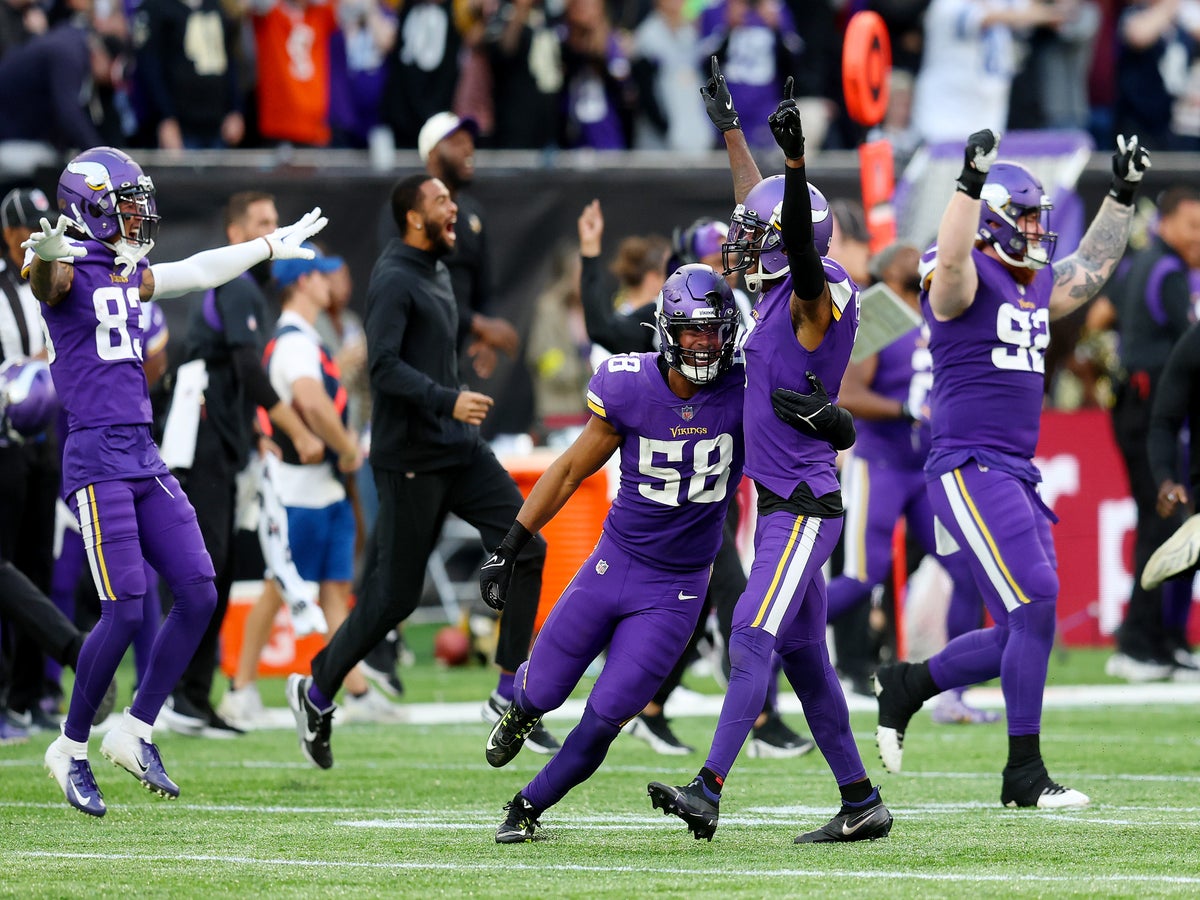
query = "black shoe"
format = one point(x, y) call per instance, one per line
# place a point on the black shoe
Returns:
point(509, 735)
point(539, 740)
point(312, 725)
point(852, 824)
point(521, 821)
point(774, 740)
point(896, 707)
point(656, 731)
point(107, 703)
point(1030, 786)
point(219, 727)
point(381, 663)
point(688, 803)
point(182, 716)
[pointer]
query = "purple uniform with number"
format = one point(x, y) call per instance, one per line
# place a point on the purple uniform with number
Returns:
point(127, 503)
point(988, 382)
point(641, 591)
point(783, 606)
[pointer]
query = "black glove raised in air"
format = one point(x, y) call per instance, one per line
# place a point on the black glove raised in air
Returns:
point(785, 124)
point(718, 102)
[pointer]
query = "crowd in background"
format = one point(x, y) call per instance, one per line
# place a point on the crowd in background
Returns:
point(604, 74)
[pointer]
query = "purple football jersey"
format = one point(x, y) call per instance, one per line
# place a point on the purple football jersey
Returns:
point(681, 460)
point(988, 369)
point(96, 343)
point(903, 372)
point(777, 456)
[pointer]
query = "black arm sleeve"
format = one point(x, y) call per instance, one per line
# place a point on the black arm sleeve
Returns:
point(842, 435)
point(795, 223)
point(1177, 391)
point(251, 373)
point(613, 331)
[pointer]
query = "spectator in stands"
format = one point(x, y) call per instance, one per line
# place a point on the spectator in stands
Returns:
point(1156, 49)
point(47, 85)
point(20, 20)
point(358, 69)
point(187, 71)
point(758, 47)
point(422, 69)
point(968, 64)
point(665, 50)
point(527, 75)
point(291, 40)
point(599, 92)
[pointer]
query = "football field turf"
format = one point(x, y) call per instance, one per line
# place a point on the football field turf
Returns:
point(411, 810)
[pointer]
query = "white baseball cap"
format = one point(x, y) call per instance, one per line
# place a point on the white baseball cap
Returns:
point(439, 127)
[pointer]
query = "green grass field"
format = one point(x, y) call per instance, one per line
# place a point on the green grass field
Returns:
point(410, 810)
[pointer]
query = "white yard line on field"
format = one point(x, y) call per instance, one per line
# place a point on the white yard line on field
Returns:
point(706, 872)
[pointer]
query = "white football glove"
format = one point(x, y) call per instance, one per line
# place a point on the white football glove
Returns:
point(52, 243)
point(285, 242)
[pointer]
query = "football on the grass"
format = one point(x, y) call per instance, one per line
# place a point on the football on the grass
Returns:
point(451, 646)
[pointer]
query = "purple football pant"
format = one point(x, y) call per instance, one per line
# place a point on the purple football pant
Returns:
point(783, 609)
point(875, 496)
point(122, 522)
point(644, 616)
point(68, 569)
point(1003, 532)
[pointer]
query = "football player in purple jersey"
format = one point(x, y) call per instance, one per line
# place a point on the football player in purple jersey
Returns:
point(990, 293)
point(92, 277)
point(884, 477)
point(676, 418)
point(807, 318)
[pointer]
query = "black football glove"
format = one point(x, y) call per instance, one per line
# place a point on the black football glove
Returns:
point(718, 102)
point(495, 575)
point(785, 124)
point(981, 151)
point(814, 415)
point(1129, 164)
point(494, 578)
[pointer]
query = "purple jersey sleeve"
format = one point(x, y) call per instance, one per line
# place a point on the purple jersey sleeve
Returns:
point(681, 460)
point(903, 372)
point(989, 368)
point(96, 343)
point(777, 456)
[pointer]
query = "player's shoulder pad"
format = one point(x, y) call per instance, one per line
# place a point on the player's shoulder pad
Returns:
point(617, 382)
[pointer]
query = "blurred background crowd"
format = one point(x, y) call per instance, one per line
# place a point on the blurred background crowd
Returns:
point(605, 74)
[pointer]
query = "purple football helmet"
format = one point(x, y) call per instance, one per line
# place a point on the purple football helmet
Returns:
point(696, 297)
point(27, 398)
point(754, 236)
point(1011, 191)
point(92, 188)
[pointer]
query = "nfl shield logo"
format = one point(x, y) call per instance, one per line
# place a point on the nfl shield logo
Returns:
point(687, 412)
point(601, 567)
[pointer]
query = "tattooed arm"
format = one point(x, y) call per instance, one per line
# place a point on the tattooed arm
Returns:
point(1079, 277)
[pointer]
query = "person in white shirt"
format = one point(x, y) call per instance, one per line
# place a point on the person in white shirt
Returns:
point(969, 61)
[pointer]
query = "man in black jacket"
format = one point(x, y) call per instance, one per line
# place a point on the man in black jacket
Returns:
point(428, 460)
point(1154, 307)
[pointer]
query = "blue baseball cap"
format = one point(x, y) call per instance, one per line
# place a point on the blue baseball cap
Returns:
point(288, 271)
